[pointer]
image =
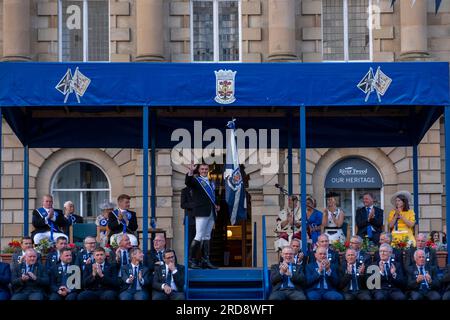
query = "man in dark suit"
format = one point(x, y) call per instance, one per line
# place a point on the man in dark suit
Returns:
point(123, 220)
point(204, 210)
point(168, 280)
point(5, 280)
point(156, 257)
point(422, 279)
point(353, 277)
point(59, 290)
point(70, 216)
point(18, 257)
point(369, 219)
point(29, 279)
point(86, 255)
point(287, 278)
point(396, 255)
point(324, 242)
point(187, 204)
point(122, 254)
point(392, 279)
point(322, 278)
point(135, 278)
point(430, 254)
point(48, 222)
point(361, 256)
point(53, 258)
point(99, 279)
point(299, 257)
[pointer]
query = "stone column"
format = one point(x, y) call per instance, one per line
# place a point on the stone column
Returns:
point(413, 24)
point(16, 30)
point(149, 26)
point(282, 30)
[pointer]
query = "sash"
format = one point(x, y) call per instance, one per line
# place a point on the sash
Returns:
point(116, 214)
point(103, 222)
point(44, 214)
point(208, 188)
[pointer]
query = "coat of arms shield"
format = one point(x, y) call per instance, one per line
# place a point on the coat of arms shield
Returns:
point(225, 86)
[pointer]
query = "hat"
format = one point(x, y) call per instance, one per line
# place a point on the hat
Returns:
point(331, 194)
point(107, 205)
point(404, 193)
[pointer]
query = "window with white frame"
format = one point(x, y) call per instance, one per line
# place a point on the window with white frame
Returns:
point(83, 183)
point(215, 30)
point(346, 30)
point(83, 30)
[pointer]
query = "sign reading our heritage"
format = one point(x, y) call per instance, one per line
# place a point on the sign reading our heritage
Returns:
point(353, 173)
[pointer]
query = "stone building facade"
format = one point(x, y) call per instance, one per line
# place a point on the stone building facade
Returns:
point(160, 30)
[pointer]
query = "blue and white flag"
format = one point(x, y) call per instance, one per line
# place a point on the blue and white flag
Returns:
point(234, 186)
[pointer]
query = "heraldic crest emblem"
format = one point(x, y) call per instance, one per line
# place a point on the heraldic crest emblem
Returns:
point(225, 80)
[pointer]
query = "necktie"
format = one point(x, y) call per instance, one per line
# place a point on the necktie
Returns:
point(369, 227)
point(354, 279)
point(322, 280)
point(386, 270)
point(424, 284)
point(169, 278)
point(124, 258)
point(64, 277)
point(160, 257)
point(135, 280)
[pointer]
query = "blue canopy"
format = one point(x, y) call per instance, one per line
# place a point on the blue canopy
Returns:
point(348, 104)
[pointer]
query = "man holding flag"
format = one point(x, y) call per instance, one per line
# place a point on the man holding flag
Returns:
point(204, 210)
point(234, 186)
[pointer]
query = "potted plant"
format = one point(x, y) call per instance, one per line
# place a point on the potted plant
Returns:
point(44, 247)
point(441, 255)
point(7, 252)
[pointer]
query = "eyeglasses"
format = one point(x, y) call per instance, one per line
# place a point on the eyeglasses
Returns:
point(171, 257)
point(90, 242)
point(384, 251)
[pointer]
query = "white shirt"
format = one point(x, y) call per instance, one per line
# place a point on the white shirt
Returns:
point(139, 282)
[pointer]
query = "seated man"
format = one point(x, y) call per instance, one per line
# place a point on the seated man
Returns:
point(168, 280)
point(287, 278)
point(5, 279)
point(70, 216)
point(299, 257)
point(122, 220)
point(322, 278)
point(58, 278)
point(48, 223)
point(397, 254)
point(29, 279)
point(422, 278)
point(157, 252)
point(324, 242)
point(430, 254)
point(18, 257)
point(123, 252)
point(392, 279)
point(285, 221)
point(53, 257)
point(86, 255)
point(353, 277)
point(135, 277)
point(361, 255)
point(99, 279)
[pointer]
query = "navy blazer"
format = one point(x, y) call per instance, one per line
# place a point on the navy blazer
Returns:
point(313, 277)
point(413, 272)
point(108, 282)
point(17, 256)
point(201, 203)
point(346, 278)
point(333, 256)
point(297, 278)
point(430, 256)
point(128, 270)
point(57, 275)
point(376, 222)
point(40, 284)
point(160, 277)
point(5, 277)
point(116, 226)
point(40, 226)
point(388, 282)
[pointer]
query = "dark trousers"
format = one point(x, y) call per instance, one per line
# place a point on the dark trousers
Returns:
point(36, 295)
point(386, 294)
point(97, 295)
point(425, 295)
point(289, 294)
point(322, 294)
point(70, 297)
point(357, 295)
point(174, 295)
point(4, 295)
point(134, 295)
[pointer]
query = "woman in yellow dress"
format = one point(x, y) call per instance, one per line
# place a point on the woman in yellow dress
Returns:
point(402, 219)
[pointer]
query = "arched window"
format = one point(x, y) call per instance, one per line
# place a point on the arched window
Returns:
point(84, 184)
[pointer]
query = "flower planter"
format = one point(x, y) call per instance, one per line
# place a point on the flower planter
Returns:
point(441, 257)
point(6, 257)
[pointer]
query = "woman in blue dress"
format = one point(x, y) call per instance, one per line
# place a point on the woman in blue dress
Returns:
point(313, 219)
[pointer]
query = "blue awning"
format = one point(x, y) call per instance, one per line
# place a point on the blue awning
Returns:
point(348, 104)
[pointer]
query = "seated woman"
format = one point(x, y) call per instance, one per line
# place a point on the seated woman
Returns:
point(402, 219)
point(284, 224)
point(313, 220)
point(102, 222)
point(333, 219)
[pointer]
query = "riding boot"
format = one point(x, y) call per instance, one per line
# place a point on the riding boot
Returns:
point(193, 252)
point(205, 260)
